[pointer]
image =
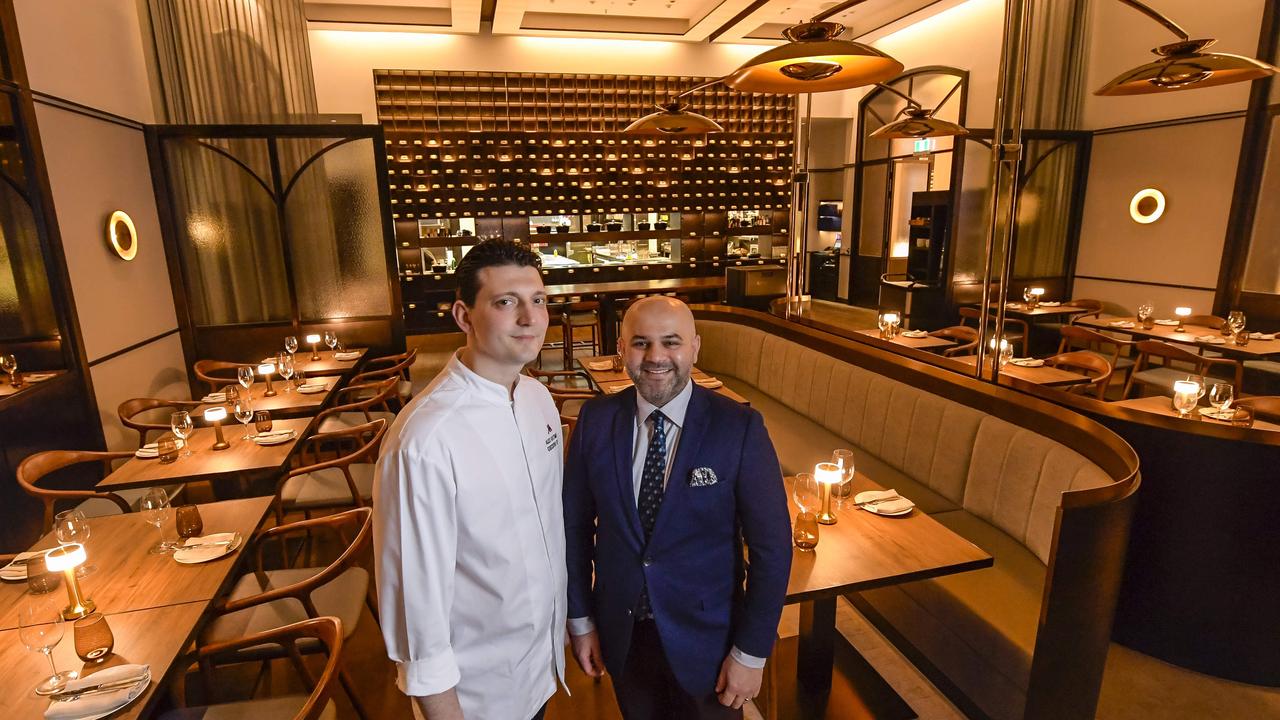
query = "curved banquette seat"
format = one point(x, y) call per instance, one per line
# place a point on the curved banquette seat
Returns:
point(1046, 492)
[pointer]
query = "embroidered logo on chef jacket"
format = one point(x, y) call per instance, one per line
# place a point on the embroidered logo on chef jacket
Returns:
point(552, 441)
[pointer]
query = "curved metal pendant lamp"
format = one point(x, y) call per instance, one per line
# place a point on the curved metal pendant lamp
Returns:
point(674, 118)
point(918, 123)
point(1182, 65)
point(815, 60)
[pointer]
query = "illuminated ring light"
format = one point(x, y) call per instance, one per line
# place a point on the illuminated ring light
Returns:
point(1146, 206)
point(123, 235)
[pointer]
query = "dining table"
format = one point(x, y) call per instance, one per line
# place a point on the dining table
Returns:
point(612, 382)
point(1041, 311)
point(1039, 375)
point(327, 364)
point(607, 293)
point(29, 380)
point(1163, 405)
point(153, 604)
point(243, 457)
point(928, 342)
point(288, 400)
point(1194, 335)
point(818, 669)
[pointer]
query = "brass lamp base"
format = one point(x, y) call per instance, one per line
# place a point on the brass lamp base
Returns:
point(77, 605)
point(825, 516)
point(221, 443)
point(271, 392)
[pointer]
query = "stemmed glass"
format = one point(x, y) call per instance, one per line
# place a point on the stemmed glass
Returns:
point(244, 413)
point(284, 364)
point(182, 427)
point(40, 627)
point(330, 339)
point(1236, 320)
point(291, 345)
point(1198, 380)
point(245, 375)
point(1026, 295)
point(1221, 394)
point(1145, 311)
point(844, 458)
point(9, 364)
point(156, 511)
point(72, 527)
point(804, 493)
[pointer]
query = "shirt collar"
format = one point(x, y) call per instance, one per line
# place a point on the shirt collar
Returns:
point(674, 410)
point(486, 390)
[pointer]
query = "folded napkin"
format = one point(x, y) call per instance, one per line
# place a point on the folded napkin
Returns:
point(1173, 323)
point(600, 364)
point(1121, 323)
point(1225, 415)
point(349, 355)
point(104, 702)
point(914, 333)
point(188, 553)
point(214, 398)
point(710, 383)
point(16, 570)
point(312, 387)
point(1027, 362)
point(1211, 339)
point(892, 506)
point(1050, 303)
point(272, 438)
point(1262, 336)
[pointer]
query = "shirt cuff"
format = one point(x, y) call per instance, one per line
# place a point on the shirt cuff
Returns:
point(751, 661)
point(430, 676)
point(581, 626)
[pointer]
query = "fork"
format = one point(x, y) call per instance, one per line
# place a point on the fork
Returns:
point(98, 689)
point(877, 501)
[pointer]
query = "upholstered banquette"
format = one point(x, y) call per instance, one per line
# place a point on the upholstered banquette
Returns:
point(1026, 638)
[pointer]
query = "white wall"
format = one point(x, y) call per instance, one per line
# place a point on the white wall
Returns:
point(93, 53)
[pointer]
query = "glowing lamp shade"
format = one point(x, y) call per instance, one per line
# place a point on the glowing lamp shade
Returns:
point(1182, 311)
point(919, 123)
point(1146, 206)
point(814, 61)
point(1182, 66)
point(1037, 291)
point(266, 368)
point(313, 338)
point(673, 119)
point(828, 473)
point(66, 557)
point(891, 317)
point(215, 414)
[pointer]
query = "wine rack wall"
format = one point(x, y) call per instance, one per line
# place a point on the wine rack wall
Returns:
point(477, 144)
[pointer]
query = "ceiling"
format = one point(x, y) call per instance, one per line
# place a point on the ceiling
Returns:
point(731, 21)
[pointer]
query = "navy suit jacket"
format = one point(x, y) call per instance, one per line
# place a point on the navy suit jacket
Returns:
point(693, 562)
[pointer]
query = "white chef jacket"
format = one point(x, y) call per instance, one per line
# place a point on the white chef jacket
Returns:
point(469, 544)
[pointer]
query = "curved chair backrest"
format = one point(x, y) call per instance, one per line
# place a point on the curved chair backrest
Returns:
point(1091, 364)
point(1200, 364)
point(1075, 337)
point(35, 467)
point(382, 393)
point(1093, 308)
point(1213, 322)
point(216, 373)
point(366, 452)
point(1266, 407)
point(129, 411)
point(396, 365)
point(966, 339)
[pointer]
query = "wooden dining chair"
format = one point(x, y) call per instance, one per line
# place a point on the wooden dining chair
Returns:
point(1092, 308)
point(965, 337)
point(1264, 407)
point(131, 410)
point(1021, 333)
point(324, 631)
point(267, 600)
point(1165, 374)
point(1116, 351)
point(389, 366)
point(1213, 322)
point(344, 482)
point(359, 404)
point(1086, 363)
point(93, 503)
point(569, 389)
point(217, 373)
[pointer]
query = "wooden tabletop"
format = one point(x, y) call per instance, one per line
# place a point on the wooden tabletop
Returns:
point(242, 456)
point(1043, 375)
point(287, 400)
point(863, 551)
point(1163, 405)
point(925, 343)
point(153, 636)
point(1039, 311)
point(129, 577)
point(1255, 348)
point(326, 365)
point(6, 389)
point(612, 382)
point(636, 286)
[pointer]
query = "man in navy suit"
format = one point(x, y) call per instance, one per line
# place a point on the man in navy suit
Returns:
point(664, 483)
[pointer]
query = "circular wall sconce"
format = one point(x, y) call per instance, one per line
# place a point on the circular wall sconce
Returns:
point(1146, 206)
point(122, 235)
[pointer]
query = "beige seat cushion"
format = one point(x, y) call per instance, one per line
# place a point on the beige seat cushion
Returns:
point(328, 487)
point(348, 420)
point(343, 597)
point(405, 388)
point(281, 708)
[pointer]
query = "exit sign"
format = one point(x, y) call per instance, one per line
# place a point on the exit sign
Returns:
point(923, 145)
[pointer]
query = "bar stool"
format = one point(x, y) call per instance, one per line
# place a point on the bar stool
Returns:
point(555, 311)
point(577, 316)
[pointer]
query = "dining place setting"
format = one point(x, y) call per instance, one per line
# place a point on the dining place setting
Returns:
point(609, 375)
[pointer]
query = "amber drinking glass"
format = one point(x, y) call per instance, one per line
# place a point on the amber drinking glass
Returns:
point(93, 638)
point(39, 579)
point(804, 493)
point(189, 522)
point(262, 421)
point(1243, 417)
point(167, 448)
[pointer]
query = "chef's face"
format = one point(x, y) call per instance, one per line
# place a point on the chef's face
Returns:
point(659, 345)
point(508, 322)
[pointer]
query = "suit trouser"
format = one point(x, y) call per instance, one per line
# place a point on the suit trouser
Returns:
point(648, 690)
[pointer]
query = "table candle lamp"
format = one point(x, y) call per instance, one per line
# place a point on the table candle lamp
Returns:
point(67, 558)
point(828, 476)
point(313, 339)
point(1181, 312)
point(1037, 294)
point(889, 323)
point(214, 416)
point(1186, 394)
point(265, 370)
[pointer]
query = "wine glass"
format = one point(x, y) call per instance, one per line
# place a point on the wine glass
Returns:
point(1200, 381)
point(72, 527)
point(285, 367)
point(330, 339)
point(40, 627)
point(245, 375)
point(244, 413)
point(1221, 394)
point(1006, 352)
point(804, 493)
point(291, 345)
point(156, 511)
point(9, 364)
point(844, 458)
point(1236, 321)
point(1145, 312)
point(1026, 295)
point(182, 427)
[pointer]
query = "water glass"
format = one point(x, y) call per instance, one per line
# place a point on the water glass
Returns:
point(285, 366)
point(1242, 417)
point(245, 376)
point(156, 511)
point(804, 531)
point(72, 527)
point(291, 344)
point(244, 413)
point(40, 628)
point(9, 363)
point(1242, 338)
point(844, 458)
point(330, 339)
point(805, 494)
point(1235, 321)
point(1220, 396)
point(1026, 295)
point(39, 579)
point(262, 421)
point(182, 426)
point(189, 522)
point(93, 637)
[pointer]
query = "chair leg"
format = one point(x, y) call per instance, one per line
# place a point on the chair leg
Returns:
point(355, 701)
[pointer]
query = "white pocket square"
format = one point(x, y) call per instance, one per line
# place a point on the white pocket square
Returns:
point(702, 477)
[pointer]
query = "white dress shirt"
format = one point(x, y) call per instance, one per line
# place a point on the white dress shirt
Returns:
point(674, 412)
point(469, 544)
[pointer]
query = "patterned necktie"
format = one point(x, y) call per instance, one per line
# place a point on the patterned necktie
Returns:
point(655, 467)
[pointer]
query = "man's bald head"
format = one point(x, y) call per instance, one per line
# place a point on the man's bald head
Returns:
point(659, 344)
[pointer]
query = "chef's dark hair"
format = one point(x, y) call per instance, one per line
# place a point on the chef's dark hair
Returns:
point(490, 253)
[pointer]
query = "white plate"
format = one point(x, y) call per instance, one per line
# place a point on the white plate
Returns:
point(137, 691)
point(1170, 323)
point(1224, 415)
point(150, 451)
point(1213, 341)
point(600, 365)
point(346, 356)
point(275, 439)
point(312, 389)
point(870, 495)
point(205, 554)
point(16, 570)
point(917, 334)
point(1262, 336)
point(1027, 362)
point(214, 398)
point(1050, 303)
point(710, 383)
point(1121, 324)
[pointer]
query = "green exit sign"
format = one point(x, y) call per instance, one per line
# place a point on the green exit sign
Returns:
point(923, 145)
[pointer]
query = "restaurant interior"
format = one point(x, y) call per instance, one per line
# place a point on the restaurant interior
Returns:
point(1010, 266)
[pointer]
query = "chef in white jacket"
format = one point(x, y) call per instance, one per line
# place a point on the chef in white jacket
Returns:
point(468, 521)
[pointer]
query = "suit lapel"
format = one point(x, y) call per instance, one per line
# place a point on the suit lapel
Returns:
point(624, 425)
point(687, 453)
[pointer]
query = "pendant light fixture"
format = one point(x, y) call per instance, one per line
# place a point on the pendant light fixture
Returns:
point(1182, 65)
point(917, 123)
point(815, 60)
point(674, 118)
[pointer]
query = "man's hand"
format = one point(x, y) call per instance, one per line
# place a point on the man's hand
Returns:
point(586, 650)
point(737, 683)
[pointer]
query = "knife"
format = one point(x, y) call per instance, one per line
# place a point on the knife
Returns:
point(69, 695)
